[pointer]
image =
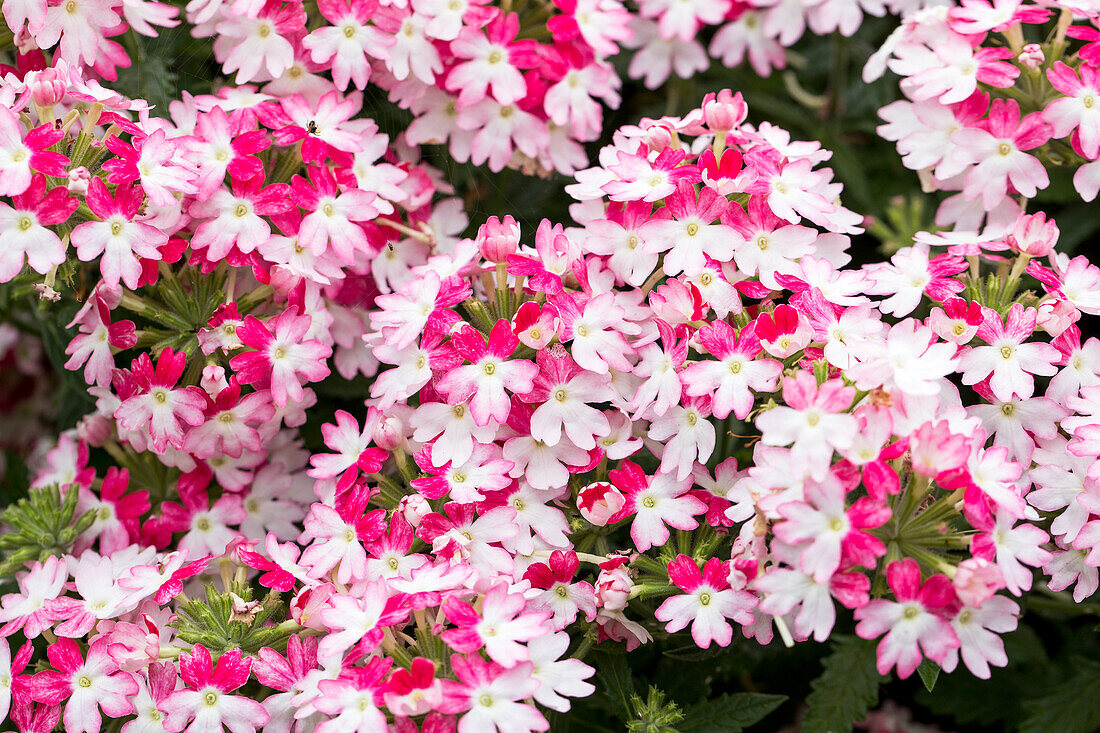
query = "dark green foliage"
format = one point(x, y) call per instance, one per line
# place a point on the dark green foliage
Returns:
point(729, 713)
point(846, 690)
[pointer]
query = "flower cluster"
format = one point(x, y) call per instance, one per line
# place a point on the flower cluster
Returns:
point(687, 410)
point(992, 102)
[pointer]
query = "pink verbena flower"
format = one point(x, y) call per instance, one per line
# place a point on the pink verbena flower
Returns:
point(23, 228)
point(913, 624)
point(1009, 360)
point(157, 407)
point(205, 704)
point(117, 237)
point(708, 601)
point(483, 381)
point(283, 358)
point(86, 686)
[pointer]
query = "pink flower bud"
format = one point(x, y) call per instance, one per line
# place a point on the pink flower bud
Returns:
point(307, 606)
point(724, 111)
point(1055, 316)
point(47, 88)
point(95, 430)
point(389, 433)
point(213, 379)
point(78, 180)
point(600, 501)
point(1032, 56)
point(613, 588)
point(1033, 235)
point(658, 137)
point(24, 40)
point(498, 239)
point(131, 646)
point(414, 508)
point(976, 580)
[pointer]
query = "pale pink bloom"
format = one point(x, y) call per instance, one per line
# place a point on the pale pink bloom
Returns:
point(1079, 109)
point(24, 236)
point(913, 623)
point(769, 245)
point(80, 25)
point(977, 629)
point(996, 149)
point(565, 390)
point(687, 436)
point(735, 375)
point(331, 216)
point(253, 46)
point(355, 620)
point(1009, 360)
point(950, 71)
point(558, 678)
point(595, 329)
point(656, 57)
point(826, 531)
point(686, 228)
point(492, 694)
point(501, 627)
point(813, 419)
point(488, 64)
point(349, 42)
point(27, 610)
point(707, 602)
point(1012, 545)
point(910, 275)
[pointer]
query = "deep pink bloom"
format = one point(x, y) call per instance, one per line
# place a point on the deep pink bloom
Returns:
point(284, 359)
point(484, 380)
point(116, 235)
point(205, 704)
point(707, 602)
point(86, 686)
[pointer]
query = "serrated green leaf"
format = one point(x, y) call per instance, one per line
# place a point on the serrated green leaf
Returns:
point(1071, 707)
point(729, 713)
point(929, 672)
point(845, 690)
point(616, 682)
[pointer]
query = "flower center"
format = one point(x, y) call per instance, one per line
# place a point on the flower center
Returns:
point(692, 229)
point(25, 223)
point(762, 242)
point(495, 57)
point(203, 524)
point(84, 681)
point(1007, 409)
point(1006, 352)
point(561, 591)
point(263, 32)
point(241, 210)
point(349, 31)
point(486, 701)
point(911, 612)
point(560, 395)
point(633, 242)
point(116, 228)
point(704, 599)
point(160, 396)
point(490, 369)
point(210, 698)
point(649, 502)
point(1004, 148)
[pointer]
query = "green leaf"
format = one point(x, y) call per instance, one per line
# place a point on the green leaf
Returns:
point(616, 682)
point(845, 690)
point(729, 713)
point(929, 672)
point(1073, 706)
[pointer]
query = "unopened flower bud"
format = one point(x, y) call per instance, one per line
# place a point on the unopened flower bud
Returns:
point(414, 508)
point(1033, 235)
point(600, 501)
point(498, 239)
point(976, 580)
point(24, 40)
point(95, 430)
point(47, 88)
point(389, 433)
point(724, 111)
point(213, 379)
point(1032, 56)
point(613, 588)
point(1055, 316)
point(78, 180)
